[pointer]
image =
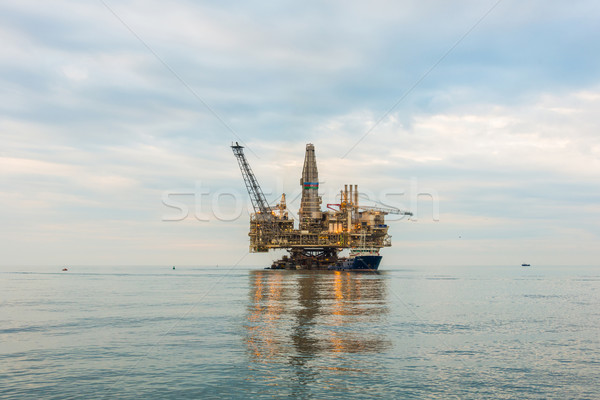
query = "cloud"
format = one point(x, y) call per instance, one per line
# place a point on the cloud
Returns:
point(94, 128)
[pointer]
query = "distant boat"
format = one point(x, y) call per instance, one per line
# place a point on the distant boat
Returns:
point(64, 269)
point(525, 265)
point(173, 267)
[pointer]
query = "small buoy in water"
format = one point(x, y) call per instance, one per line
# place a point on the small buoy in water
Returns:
point(173, 267)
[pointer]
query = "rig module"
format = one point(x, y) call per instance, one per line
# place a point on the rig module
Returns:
point(321, 235)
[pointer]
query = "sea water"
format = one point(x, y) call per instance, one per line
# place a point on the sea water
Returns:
point(238, 332)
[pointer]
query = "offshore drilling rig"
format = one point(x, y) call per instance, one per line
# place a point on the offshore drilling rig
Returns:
point(321, 235)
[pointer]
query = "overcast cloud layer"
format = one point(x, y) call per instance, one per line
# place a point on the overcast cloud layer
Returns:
point(491, 107)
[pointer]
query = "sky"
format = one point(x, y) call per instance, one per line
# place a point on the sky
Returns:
point(480, 117)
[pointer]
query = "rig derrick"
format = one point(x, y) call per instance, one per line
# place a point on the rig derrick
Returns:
point(321, 235)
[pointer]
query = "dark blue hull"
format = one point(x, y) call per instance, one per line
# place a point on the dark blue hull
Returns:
point(359, 263)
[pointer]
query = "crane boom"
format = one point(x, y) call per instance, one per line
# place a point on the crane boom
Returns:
point(388, 210)
point(257, 197)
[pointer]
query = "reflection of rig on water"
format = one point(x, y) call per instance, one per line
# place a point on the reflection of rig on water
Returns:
point(301, 316)
point(320, 235)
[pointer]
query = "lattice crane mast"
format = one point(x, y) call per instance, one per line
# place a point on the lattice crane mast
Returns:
point(257, 197)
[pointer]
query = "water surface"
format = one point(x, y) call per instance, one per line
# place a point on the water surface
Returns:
point(154, 332)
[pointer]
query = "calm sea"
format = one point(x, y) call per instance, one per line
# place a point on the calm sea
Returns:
point(202, 333)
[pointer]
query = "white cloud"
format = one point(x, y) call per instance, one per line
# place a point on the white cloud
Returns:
point(75, 72)
point(94, 128)
point(539, 136)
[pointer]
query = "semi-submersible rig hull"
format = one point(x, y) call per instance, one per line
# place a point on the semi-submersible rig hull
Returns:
point(321, 235)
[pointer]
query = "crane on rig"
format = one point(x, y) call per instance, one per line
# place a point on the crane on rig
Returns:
point(320, 235)
point(257, 197)
point(388, 210)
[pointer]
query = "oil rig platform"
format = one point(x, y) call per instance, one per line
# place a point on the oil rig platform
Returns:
point(320, 235)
